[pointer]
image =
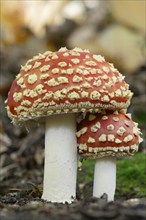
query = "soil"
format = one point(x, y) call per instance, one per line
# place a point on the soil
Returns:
point(16, 206)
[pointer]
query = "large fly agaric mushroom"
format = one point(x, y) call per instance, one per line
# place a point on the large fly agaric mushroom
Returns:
point(104, 137)
point(51, 86)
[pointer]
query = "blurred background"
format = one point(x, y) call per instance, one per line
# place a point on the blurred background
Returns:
point(112, 28)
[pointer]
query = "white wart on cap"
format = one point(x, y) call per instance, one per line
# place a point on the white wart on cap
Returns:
point(109, 134)
point(66, 81)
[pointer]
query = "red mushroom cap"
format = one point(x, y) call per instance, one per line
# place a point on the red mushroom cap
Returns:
point(66, 81)
point(109, 134)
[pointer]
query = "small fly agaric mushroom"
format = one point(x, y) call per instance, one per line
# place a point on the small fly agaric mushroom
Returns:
point(104, 137)
point(53, 84)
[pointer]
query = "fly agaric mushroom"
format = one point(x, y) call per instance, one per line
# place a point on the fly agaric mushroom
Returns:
point(104, 137)
point(53, 84)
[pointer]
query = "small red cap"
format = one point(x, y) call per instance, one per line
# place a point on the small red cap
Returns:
point(109, 134)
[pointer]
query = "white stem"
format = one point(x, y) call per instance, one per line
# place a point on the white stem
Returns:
point(105, 177)
point(60, 170)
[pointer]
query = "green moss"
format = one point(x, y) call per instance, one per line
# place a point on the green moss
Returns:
point(86, 174)
point(131, 176)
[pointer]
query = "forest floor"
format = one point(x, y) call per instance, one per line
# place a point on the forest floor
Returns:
point(20, 198)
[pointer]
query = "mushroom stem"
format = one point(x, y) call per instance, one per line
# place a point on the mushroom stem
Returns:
point(105, 177)
point(60, 169)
